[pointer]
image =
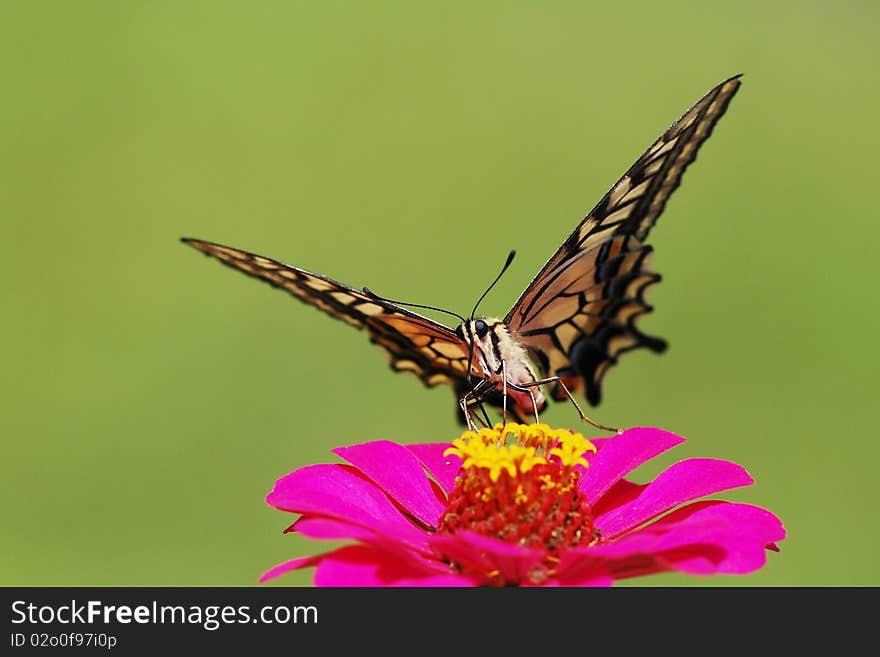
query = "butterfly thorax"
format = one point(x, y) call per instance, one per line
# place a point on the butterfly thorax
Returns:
point(498, 354)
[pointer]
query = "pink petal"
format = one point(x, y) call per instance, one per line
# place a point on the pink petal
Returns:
point(754, 522)
point(701, 538)
point(399, 473)
point(751, 530)
point(330, 529)
point(340, 491)
point(358, 565)
point(439, 493)
point(648, 541)
point(622, 492)
point(693, 559)
point(287, 566)
point(700, 559)
point(482, 554)
point(681, 482)
point(587, 573)
point(442, 468)
point(622, 454)
point(598, 443)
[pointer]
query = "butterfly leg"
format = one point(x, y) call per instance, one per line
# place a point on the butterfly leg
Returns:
point(528, 389)
point(484, 418)
point(584, 418)
point(470, 399)
point(465, 408)
point(504, 393)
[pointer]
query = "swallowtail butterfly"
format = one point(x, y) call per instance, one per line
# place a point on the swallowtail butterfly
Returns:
point(569, 326)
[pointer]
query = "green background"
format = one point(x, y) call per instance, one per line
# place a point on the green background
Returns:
point(151, 397)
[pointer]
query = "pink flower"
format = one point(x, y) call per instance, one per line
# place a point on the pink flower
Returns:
point(550, 509)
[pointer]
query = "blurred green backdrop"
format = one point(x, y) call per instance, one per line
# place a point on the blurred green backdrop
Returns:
point(151, 397)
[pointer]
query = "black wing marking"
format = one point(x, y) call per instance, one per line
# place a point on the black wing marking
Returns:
point(416, 344)
point(579, 313)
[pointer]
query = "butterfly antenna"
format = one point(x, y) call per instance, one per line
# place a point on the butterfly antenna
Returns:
point(373, 295)
point(510, 257)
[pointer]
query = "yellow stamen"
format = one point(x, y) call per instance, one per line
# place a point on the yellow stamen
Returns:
point(571, 447)
point(488, 448)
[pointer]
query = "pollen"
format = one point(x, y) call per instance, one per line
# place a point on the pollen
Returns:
point(519, 483)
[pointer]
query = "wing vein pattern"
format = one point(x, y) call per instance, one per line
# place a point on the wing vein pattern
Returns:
point(578, 315)
point(414, 343)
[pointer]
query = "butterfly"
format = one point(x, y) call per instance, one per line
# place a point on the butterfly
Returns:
point(570, 325)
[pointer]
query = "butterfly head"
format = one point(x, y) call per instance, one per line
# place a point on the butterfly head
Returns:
point(475, 329)
point(482, 336)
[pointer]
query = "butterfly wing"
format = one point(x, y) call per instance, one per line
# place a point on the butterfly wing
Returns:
point(579, 313)
point(416, 344)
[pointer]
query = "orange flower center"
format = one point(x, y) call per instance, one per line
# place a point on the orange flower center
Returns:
point(525, 492)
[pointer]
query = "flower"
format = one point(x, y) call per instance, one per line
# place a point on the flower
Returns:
point(521, 505)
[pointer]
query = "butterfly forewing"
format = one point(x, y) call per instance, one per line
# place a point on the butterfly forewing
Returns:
point(417, 344)
point(578, 314)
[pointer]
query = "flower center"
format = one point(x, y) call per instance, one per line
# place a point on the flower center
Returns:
point(519, 483)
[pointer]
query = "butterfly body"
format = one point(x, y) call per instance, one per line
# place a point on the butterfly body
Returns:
point(569, 326)
point(501, 360)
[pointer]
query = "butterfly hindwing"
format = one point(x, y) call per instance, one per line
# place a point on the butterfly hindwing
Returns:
point(578, 314)
point(587, 321)
point(417, 344)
